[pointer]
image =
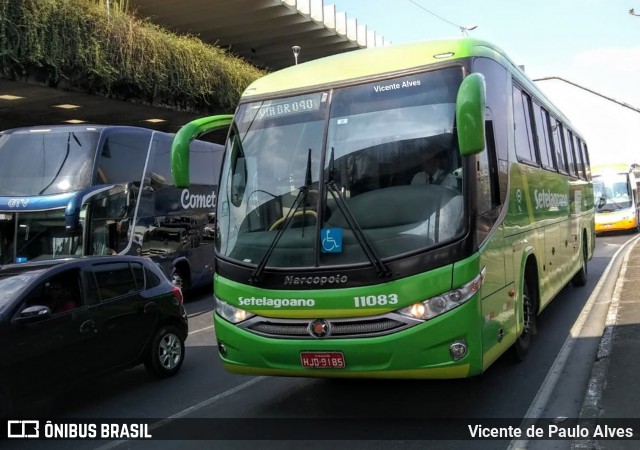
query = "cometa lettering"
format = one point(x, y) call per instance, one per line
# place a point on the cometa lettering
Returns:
point(276, 302)
point(191, 201)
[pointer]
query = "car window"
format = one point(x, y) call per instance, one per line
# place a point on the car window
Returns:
point(138, 275)
point(61, 293)
point(12, 285)
point(115, 280)
point(152, 279)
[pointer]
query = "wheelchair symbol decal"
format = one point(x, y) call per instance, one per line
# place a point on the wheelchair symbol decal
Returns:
point(331, 239)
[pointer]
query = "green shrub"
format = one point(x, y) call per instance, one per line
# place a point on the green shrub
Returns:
point(80, 45)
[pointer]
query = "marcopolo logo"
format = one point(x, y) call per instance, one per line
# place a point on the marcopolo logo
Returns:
point(190, 201)
point(547, 199)
point(315, 280)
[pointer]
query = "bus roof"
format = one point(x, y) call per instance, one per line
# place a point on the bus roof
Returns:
point(346, 68)
point(364, 63)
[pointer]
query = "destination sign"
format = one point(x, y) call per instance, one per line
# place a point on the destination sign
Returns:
point(284, 107)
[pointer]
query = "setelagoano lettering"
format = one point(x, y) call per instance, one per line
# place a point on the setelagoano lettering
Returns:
point(550, 199)
point(276, 302)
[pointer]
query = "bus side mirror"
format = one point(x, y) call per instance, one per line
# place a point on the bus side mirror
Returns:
point(470, 105)
point(182, 139)
point(72, 212)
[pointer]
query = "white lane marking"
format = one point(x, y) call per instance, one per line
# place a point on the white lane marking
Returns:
point(548, 385)
point(210, 327)
point(189, 410)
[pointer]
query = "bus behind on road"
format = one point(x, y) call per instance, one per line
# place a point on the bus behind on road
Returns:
point(402, 212)
point(96, 190)
point(615, 187)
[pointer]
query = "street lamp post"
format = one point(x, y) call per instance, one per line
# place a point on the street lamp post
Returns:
point(464, 30)
point(296, 51)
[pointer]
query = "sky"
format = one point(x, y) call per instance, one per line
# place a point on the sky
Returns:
point(594, 43)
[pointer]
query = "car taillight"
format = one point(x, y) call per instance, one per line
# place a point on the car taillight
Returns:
point(177, 293)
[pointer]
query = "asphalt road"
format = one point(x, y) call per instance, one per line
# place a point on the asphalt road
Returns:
point(311, 410)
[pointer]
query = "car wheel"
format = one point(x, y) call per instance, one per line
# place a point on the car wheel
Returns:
point(166, 354)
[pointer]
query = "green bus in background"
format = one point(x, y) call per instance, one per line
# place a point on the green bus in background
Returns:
point(393, 212)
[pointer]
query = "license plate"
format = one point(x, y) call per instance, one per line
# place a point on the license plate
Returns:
point(322, 360)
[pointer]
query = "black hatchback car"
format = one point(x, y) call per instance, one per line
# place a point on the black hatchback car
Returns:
point(65, 320)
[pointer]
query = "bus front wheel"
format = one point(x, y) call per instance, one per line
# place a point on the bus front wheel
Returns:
point(177, 278)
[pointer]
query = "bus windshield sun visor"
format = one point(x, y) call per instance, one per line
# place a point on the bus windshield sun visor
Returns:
point(301, 199)
point(376, 262)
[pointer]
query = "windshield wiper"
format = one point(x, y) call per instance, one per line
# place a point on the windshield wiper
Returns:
point(376, 262)
point(66, 156)
point(301, 199)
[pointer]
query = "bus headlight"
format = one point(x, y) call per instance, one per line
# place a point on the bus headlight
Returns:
point(440, 304)
point(230, 312)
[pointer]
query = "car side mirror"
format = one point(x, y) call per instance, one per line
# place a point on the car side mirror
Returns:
point(33, 314)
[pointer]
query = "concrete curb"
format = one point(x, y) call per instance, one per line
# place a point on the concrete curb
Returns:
point(590, 411)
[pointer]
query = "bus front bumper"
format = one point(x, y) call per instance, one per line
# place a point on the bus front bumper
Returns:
point(609, 224)
point(422, 351)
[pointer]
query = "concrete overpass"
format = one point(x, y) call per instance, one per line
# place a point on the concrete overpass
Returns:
point(261, 31)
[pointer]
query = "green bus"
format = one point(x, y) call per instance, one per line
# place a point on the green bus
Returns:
point(338, 251)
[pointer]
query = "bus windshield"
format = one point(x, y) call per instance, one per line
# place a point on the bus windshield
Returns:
point(44, 163)
point(612, 192)
point(317, 179)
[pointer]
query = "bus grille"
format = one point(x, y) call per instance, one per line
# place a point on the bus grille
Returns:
point(340, 328)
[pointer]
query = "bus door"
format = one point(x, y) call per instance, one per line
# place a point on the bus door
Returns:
point(108, 218)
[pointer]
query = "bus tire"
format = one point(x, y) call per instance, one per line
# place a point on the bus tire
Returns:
point(580, 278)
point(529, 311)
point(166, 353)
point(177, 278)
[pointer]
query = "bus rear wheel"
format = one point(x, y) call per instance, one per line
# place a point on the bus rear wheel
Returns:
point(580, 278)
point(529, 303)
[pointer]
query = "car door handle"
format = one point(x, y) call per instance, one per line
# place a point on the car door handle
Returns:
point(150, 308)
point(88, 326)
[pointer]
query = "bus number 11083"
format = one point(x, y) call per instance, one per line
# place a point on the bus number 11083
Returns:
point(364, 301)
